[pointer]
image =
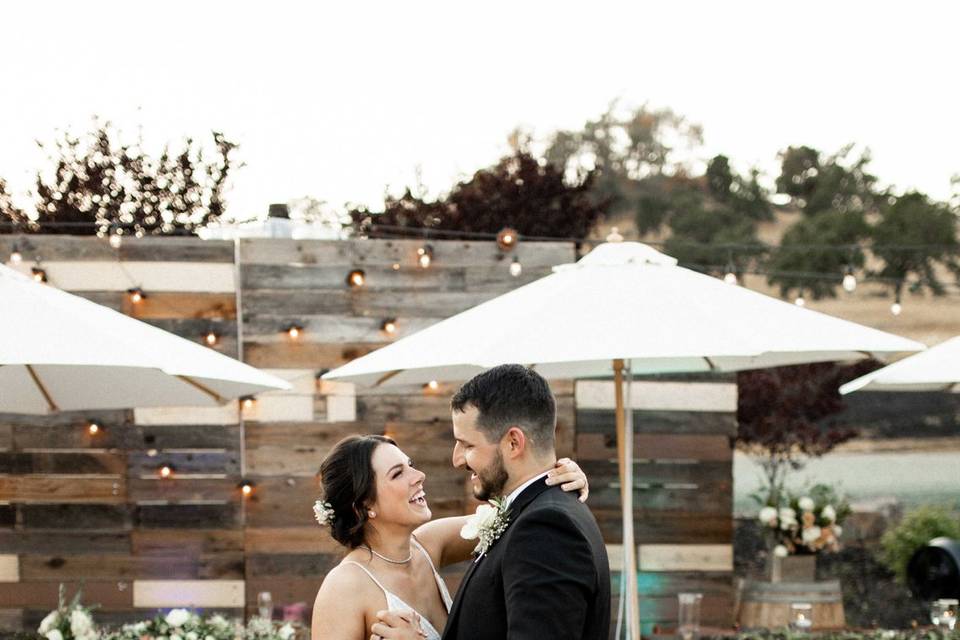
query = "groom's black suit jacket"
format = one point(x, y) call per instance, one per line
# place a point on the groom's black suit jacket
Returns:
point(546, 577)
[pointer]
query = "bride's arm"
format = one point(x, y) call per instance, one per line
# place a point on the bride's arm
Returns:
point(441, 537)
point(339, 612)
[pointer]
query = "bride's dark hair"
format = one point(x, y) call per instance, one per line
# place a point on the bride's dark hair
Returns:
point(349, 484)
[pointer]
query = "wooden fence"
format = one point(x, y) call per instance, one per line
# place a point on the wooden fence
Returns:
point(80, 508)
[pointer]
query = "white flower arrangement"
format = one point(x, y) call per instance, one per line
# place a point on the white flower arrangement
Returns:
point(263, 629)
point(805, 524)
point(70, 621)
point(486, 525)
point(178, 624)
point(324, 513)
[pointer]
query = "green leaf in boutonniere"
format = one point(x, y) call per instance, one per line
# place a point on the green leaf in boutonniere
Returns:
point(487, 525)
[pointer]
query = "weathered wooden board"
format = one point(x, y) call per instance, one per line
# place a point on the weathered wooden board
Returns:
point(79, 517)
point(667, 422)
point(118, 567)
point(151, 594)
point(109, 595)
point(56, 489)
point(661, 396)
point(603, 446)
point(149, 276)
point(685, 557)
point(64, 541)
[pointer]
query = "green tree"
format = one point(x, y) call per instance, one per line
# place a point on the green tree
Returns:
point(913, 237)
point(834, 194)
point(917, 529)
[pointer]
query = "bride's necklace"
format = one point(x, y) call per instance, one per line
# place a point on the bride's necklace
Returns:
point(390, 560)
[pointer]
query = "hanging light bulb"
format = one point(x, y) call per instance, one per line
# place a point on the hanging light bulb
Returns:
point(39, 274)
point(730, 278)
point(515, 267)
point(849, 282)
point(396, 266)
point(425, 256)
point(15, 256)
point(433, 385)
point(136, 295)
point(294, 331)
point(896, 308)
point(93, 428)
point(800, 301)
point(614, 235)
point(211, 339)
point(507, 239)
point(389, 326)
point(247, 402)
point(246, 488)
point(356, 278)
point(115, 240)
point(165, 471)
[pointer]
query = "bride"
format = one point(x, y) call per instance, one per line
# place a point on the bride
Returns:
point(375, 506)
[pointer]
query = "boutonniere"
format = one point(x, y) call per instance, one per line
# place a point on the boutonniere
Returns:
point(487, 525)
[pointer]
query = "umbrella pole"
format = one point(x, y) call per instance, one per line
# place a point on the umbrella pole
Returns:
point(625, 459)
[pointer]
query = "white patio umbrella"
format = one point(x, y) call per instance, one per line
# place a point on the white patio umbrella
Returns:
point(60, 352)
point(623, 306)
point(936, 369)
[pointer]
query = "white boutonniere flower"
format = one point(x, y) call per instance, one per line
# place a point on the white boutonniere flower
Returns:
point(487, 525)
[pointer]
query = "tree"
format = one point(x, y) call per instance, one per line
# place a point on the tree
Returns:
point(12, 218)
point(834, 195)
point(913, 236)
point(782, 415)
point(519, 191)
point(99, 184)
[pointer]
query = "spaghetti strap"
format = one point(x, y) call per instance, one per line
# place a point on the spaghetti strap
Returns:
point(372, 577)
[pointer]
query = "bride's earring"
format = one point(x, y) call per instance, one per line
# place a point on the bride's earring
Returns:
point(372, 514)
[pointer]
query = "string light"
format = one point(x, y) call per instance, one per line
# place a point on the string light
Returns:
point(246, 488)
point(730, 278)
point(800, 301)
point(389, 326)
point(515, 267)
point(248, 402)
point(165, 471)
point(507, 239)
point(211, 339)
point(433, 385)
point(395, 266)
point(356, 278)
point(294, 331)
point(93, 428)
point(39, 274)
point(849, 281)
point(614, 235)
point(896, 308)
point(136, 295)
point(15, 256)
point(115, 240)
point(425, 254)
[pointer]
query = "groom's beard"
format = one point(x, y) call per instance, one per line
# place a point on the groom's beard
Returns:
point(492, 479)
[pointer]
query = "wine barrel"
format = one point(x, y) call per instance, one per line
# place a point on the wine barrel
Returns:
point(766, 605)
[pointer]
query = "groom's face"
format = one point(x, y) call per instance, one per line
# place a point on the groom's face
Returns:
point(474, 453)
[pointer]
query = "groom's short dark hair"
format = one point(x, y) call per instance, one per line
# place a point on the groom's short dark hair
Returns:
point(511, 395)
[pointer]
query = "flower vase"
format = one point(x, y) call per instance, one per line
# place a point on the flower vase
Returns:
point(801, 568)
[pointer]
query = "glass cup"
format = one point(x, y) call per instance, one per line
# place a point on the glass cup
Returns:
point(265, 605)
point(801, 616)
point(688, 625)
point(943, 613)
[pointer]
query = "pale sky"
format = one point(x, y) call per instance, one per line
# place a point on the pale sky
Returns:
point(340, 100)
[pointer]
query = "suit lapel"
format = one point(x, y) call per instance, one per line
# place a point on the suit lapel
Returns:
point(519, 504)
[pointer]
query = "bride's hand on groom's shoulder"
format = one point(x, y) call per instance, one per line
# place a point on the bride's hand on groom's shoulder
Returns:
point(570, 477)
point(397, 625)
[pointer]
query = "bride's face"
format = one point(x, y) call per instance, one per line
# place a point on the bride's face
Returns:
point(400, 495)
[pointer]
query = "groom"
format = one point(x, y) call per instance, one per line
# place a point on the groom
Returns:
point(546, 574)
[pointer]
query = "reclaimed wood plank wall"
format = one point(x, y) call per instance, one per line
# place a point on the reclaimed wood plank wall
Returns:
point(76, 507)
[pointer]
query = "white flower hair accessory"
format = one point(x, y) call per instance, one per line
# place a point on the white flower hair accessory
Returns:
point(324, 513)
point(487, 525)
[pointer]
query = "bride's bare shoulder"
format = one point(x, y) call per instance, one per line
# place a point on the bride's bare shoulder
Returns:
point(343, 602)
